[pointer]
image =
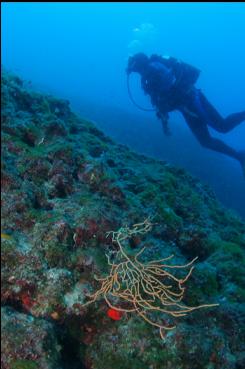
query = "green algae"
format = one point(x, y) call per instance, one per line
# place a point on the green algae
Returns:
point(167, 216)
point(23, 364)
point(207, 287)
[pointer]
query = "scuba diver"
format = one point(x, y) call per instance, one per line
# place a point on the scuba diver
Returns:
point(170, 84)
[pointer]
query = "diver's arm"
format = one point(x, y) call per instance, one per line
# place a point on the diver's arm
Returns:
point(161, 104)
point(164, 117)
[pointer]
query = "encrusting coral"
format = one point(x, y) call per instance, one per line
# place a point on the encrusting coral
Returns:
point(145, 288)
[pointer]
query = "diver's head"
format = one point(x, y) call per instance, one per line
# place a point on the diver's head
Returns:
point(137, 63)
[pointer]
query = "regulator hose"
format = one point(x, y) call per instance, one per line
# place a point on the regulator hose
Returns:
point(133, 101)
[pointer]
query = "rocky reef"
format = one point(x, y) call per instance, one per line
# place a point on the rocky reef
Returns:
point(65, 185)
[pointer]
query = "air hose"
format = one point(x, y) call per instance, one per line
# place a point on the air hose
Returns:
point(133, 101)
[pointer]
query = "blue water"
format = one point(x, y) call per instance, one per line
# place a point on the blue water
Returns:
point(79, 51)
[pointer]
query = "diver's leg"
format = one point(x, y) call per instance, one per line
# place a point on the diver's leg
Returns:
point(216, 121)
point(200, 130)
point(234, 119)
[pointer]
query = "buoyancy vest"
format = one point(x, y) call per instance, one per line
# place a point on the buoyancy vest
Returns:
point(185, 74)
point(168, 81)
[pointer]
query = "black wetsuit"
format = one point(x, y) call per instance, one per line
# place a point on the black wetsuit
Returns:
point(176, 91)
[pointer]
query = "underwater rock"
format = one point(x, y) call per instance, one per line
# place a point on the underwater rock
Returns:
point(65, 185)
point(27, 342)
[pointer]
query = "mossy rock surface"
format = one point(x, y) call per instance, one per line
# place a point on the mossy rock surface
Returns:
point(65, 185)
